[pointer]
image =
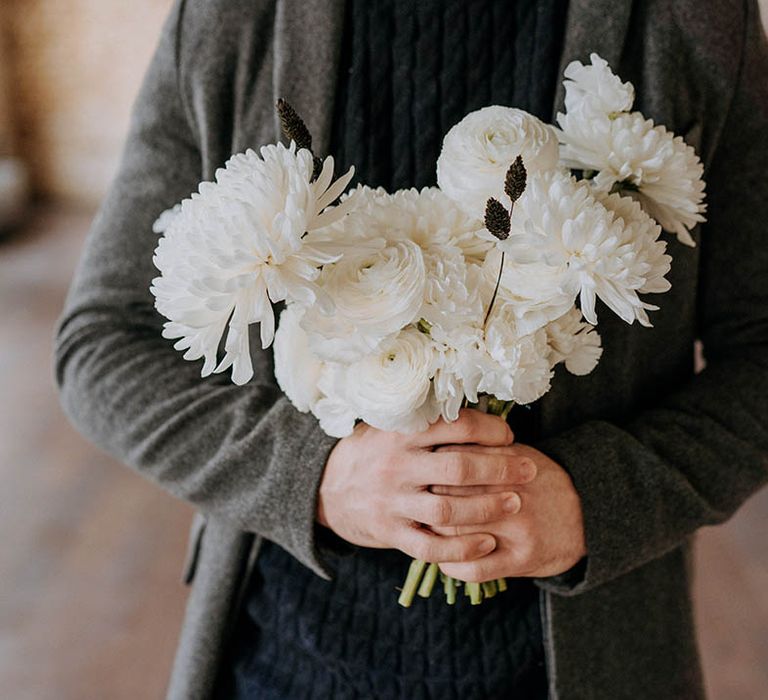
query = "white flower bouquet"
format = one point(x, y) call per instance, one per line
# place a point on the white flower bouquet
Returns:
point(400, 308)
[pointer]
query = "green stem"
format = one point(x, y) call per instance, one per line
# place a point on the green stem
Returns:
point(449, 586)
point(489, 589)
point(415, 572)
point(475, 593)
point(428, 582)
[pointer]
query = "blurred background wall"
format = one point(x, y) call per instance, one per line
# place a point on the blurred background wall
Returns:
point(90, 598)
point(74, 67)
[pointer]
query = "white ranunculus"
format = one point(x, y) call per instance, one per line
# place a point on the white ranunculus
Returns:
point(478, 151)
point(236, 246)
point(561, 229)
point(595, 89)
point(574, 342)
point(297, 370)
point(389, 389)
point(375, 294)
point(532, 291)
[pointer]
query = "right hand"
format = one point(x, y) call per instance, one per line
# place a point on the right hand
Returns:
point(376, 488)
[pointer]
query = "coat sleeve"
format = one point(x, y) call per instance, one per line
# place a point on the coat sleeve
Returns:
point(693, 458)
point(240, 453)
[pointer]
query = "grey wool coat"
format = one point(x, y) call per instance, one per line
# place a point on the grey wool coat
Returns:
point(654, 450)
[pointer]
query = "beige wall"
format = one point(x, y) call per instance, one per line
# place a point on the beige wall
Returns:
point(76, 66)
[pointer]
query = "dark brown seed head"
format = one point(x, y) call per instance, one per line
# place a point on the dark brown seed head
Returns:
point(514, 183)
point(497, 219)
point(293, 125)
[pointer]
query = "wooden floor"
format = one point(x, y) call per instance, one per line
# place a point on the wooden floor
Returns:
point(90, 599)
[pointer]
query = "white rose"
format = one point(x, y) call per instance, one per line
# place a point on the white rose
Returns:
point(478, 151)
point(391, 388)
point(375, 295)
point(297, 370)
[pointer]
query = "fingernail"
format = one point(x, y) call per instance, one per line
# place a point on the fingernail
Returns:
point(527, 468)
point(512, 503)
point(487, 545)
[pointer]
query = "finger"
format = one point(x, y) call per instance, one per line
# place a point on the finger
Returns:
point(485, 449)
point(464, 510)
point(487, 568)
point(472, 468)
point(445, 490)
point(471, 426)
point(427, 546)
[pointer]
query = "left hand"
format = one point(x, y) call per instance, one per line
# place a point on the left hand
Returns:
point(546, 536)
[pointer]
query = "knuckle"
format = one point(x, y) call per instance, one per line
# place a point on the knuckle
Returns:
point(488, 510)
point(442, 511)
point(457, 468)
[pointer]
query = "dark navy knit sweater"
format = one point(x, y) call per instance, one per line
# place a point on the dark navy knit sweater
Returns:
point(409, 71)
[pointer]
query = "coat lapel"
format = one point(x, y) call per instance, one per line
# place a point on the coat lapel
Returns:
point(307, 50)
point(598, 26)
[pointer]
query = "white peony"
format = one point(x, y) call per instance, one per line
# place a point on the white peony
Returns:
point(574, 342)
point(297, 370)
point(567, 235)
point(595, 89)
point(238, 245)
point(389, 389)
point(478, 151)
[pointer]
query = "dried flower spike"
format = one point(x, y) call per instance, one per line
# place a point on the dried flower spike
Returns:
point(497, 219)
point(514, 183)
point(296, 130)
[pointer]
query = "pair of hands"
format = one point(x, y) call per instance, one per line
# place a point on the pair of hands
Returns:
point(463, 494)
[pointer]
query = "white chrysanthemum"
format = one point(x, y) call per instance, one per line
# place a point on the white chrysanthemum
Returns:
point(563, 231)
point(522, 372)
point(375, 294)
point(297, 370)
point(642, 232)
point(236, 246)
point(389, 389)
point(478, 151)
point(574, 342)
point(648, 162)
point(427, 217)
point(595, 88)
